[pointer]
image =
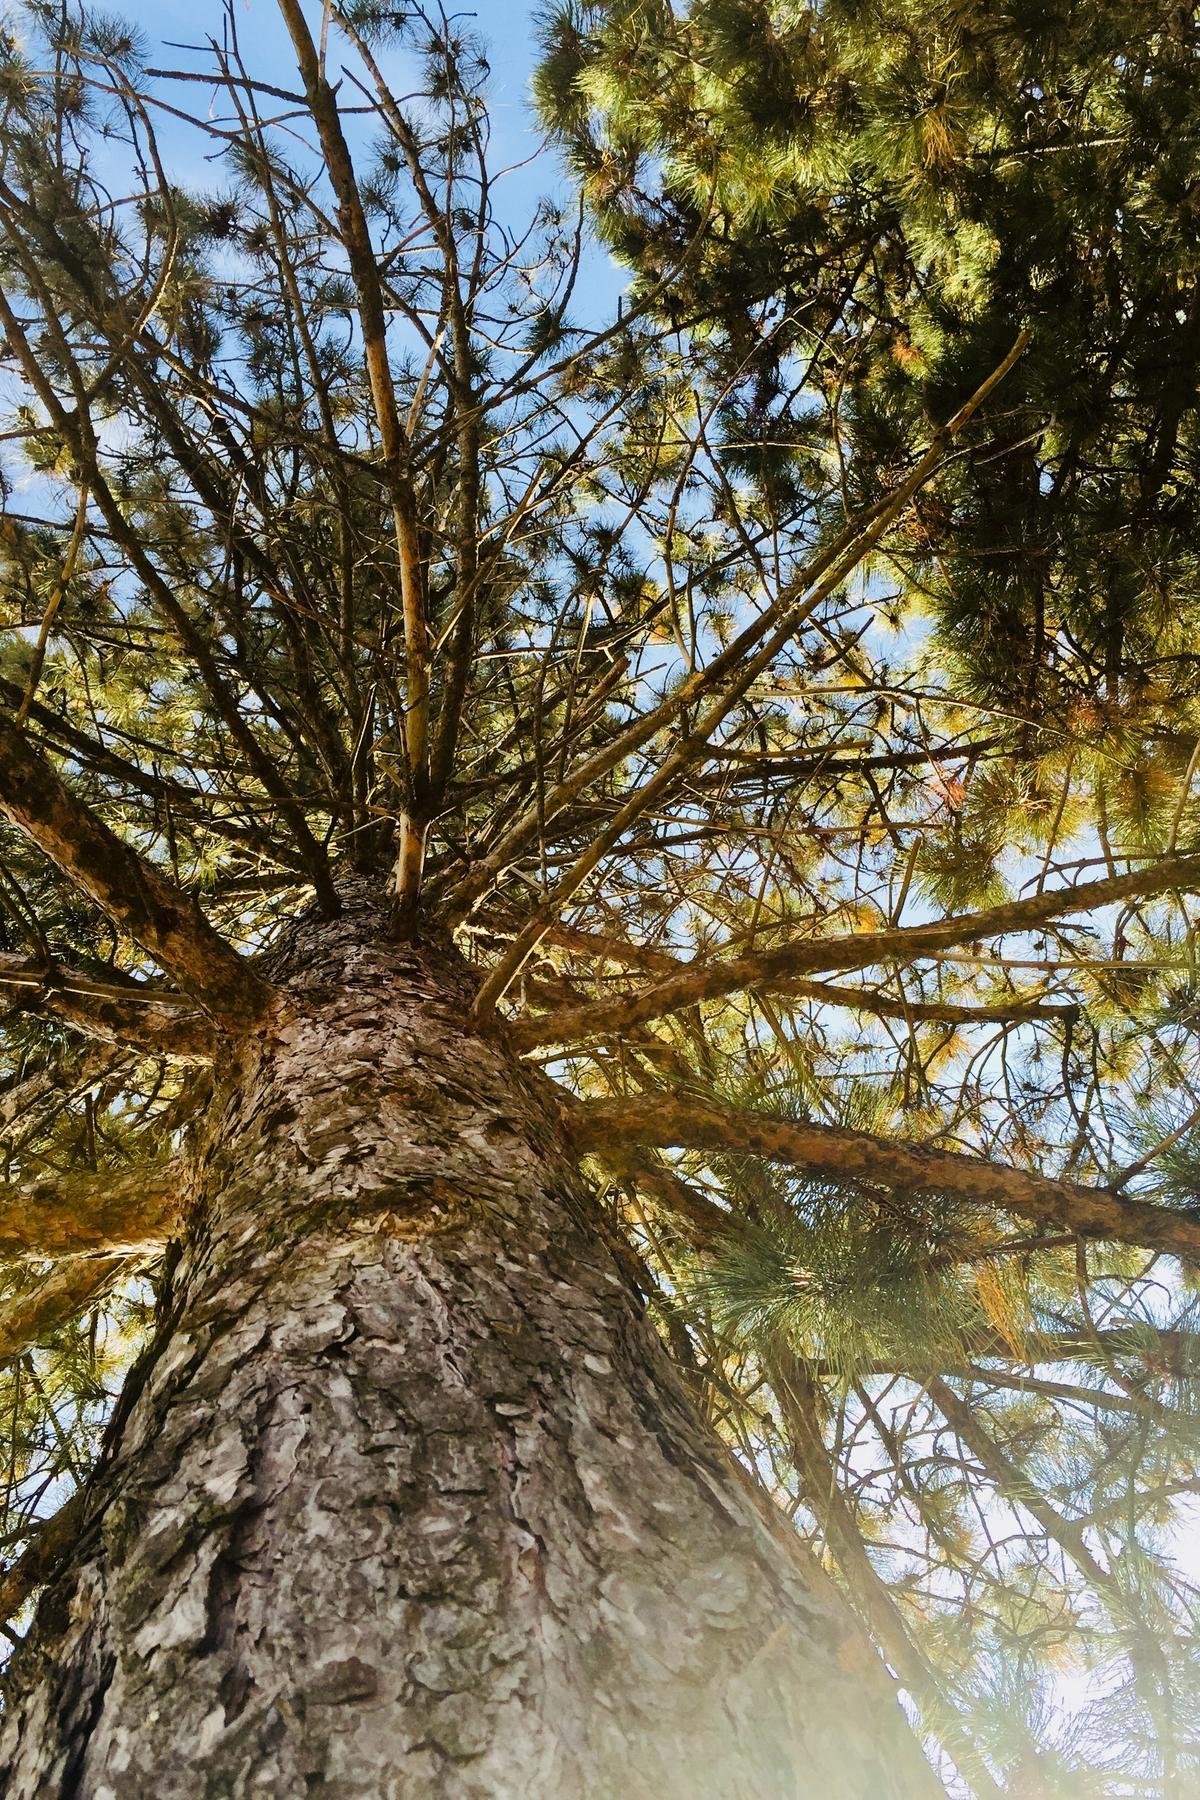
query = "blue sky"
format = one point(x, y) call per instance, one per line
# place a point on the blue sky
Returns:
point(507, 26)
point(175, 33)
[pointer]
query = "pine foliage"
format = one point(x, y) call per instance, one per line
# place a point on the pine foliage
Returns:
point(349, 534)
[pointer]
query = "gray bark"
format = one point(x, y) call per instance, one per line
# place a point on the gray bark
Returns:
point(406, 1499)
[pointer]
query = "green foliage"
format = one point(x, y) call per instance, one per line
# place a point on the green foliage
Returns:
point(889, 191)
point(834, 219)
point(847, 1283)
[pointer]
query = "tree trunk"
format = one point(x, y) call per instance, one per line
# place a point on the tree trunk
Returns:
point(405, 1499)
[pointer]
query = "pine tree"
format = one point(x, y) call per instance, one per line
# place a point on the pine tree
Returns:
point(578, 1042)
point(858, 205)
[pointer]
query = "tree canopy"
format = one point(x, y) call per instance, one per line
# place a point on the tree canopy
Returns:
point(782, 688)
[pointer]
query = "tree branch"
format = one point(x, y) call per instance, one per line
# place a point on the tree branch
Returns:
point(167, 923)
point(143, 1018)
point(797, 1394)
point(775, 969)
point(75, 426)
point(664, 1120)
point(944, 1012)
point(863, 1000)
point(35, 1566)
point(92, 754)
point(28, 1319)
point(1067, 1533)
point(364, 270)
point(739, 664)
point(1167, 1352)
point(110, 1210)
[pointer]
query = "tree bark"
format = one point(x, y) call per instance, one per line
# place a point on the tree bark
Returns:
point(405, 1499)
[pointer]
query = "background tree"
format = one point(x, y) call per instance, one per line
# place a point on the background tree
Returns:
point(447, 738)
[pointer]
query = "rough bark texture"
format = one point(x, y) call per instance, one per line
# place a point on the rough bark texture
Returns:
point(668, 1119)
point(407, 1501)
point(108, 1210)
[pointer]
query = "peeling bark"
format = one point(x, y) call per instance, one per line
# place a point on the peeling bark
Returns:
point(406, 1500)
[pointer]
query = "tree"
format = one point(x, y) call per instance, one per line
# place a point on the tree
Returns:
point(443, 746)
point(873, 196)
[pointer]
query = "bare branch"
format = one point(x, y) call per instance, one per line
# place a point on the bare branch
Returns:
point(128, 889)
point(76, 428)
point(794, 1388)
point(740, 665)
point(773, 970)
point(830, 1151)
point(360, 252)
point(1067, 1533)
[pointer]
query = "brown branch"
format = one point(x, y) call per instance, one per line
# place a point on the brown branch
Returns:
point(944, 1012)
point(838, 759)
point(75, 426)
point(364, 270)
point(114, 1211)
point(466, 425)
point(1067, 1533)
point(774, 969)
point(1169, 1352)
point(28, 1319)
point(142, 1018)
point(740, 663)
point(91, 754)
point(1021, 1383)
point(797, 1395)
point(708, 1228)
point(830, 1151)
point(36, 1564)
point(864, 1000)
point(49, 1086)
point(126, 887)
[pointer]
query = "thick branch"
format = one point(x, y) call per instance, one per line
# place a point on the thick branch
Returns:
point(36, 1565)
point(110, 1210)
point(159, 1024)
point(91, 753)
point(775, 969)
point(663, 1120)
point(708, 1228)
point(28, 1319)
point(128, 889)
